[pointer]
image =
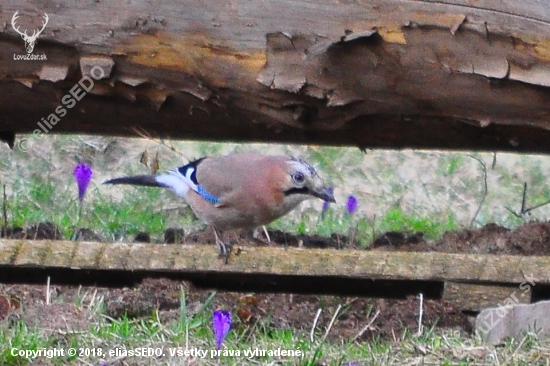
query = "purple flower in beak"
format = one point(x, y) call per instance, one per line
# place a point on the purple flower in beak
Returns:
point(221, 321)
point(83, 176)
point(352, 204)
point(326, 203)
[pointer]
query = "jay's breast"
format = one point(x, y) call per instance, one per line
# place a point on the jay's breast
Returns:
point(236, 216)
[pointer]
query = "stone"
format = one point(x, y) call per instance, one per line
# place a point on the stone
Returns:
point(513, 321)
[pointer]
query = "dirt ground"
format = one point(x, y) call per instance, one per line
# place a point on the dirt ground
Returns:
point(384, 318)
point(529, 239)
point(359, 318)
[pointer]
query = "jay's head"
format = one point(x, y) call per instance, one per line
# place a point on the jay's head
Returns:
point(303, 182)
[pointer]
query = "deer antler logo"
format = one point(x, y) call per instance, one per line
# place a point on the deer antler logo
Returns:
point(30, 41)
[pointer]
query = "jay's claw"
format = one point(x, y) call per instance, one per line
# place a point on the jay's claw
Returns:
point(223, 247)
point(225, 255)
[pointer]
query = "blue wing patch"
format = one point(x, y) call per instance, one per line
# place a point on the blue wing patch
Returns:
point(207, 196)
point(189, 172)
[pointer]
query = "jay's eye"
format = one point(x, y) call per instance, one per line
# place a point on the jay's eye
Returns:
point(298, 178)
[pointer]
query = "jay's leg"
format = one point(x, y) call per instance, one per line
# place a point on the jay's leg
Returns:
point(256, 235)
point(223, 247)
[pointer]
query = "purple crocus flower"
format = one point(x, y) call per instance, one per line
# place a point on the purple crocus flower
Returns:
point(352, 204)
point(221, 322)
point(326, 203)
point(83, 176)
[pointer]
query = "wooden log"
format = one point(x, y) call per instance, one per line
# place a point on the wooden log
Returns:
point(473, 297)
point(379, 73)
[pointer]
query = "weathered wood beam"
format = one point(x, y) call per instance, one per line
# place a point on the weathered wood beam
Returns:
point(474, 297)
point(471, 281)
point(379, 73)
point(360, 264)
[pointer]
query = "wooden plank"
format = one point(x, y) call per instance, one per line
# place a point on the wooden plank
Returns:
point(8, 250)
point(31, 255)
point(473, 297)
point(471, 268)
point(86, 255)
point(59, 254)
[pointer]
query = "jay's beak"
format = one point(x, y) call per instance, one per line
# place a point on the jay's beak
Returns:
point(325, 194)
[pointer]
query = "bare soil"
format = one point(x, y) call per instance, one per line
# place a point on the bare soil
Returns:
point(532, 238)
point(393, 316)
point(359, 318)
point(529, 239)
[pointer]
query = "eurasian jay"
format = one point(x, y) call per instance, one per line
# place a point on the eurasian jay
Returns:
point(240, 190)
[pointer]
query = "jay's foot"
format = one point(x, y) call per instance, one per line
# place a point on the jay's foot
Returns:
point(225, 251)
point(223, 247)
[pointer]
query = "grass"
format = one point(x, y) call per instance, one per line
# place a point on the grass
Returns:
point(133, 213)
point(51, 196)
point(408, 191)
point(43, 201)
point(109, 340)
point(396, 220)
point(432, 192)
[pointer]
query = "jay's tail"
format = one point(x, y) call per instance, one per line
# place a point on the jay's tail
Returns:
point(138, 180)
point(170, 181)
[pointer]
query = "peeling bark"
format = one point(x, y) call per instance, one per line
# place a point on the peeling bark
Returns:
point(394, 73)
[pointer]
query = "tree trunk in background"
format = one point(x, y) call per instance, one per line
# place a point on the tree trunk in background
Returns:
point(452, 74)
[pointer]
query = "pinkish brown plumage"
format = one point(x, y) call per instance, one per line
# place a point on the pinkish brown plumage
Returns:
point(241, 190)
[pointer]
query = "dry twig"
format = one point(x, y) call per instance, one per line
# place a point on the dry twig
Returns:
point(144, 134)
point(331, 323)
point(523, 211)
point(420, 313)
point(486, 189)
point(367, 326)
point(4, 214)
point(314, 324)
point(48, 291)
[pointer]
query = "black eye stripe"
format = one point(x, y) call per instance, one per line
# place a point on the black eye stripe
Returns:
point(291, 191)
